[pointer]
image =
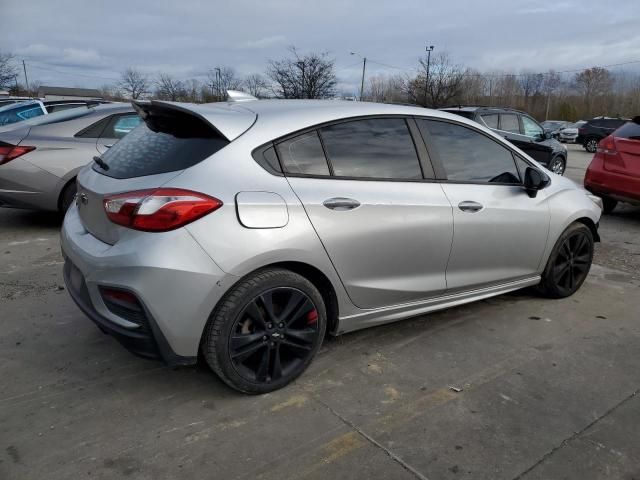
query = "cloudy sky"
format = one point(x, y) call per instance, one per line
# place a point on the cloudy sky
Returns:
point(88, 43)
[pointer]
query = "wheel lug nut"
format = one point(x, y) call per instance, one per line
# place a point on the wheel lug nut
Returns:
point(264, 338)
point(281, 325)
point(269, 325)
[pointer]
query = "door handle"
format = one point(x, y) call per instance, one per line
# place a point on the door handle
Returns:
point(108, 146)
point(341, 204)
point(469, 206)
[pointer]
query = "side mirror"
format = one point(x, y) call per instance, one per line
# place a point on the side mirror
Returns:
point(534, 180)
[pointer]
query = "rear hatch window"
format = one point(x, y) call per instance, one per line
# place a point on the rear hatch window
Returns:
point(163, 143)
point(629, 130)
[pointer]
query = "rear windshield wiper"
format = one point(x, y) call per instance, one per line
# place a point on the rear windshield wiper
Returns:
point(101, 163)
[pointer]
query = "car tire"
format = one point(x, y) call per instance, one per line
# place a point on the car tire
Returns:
point(591, 144)
point(67, 196)
point(608, 204)
point(265, 331)
point(569, 262)
point(558, 165)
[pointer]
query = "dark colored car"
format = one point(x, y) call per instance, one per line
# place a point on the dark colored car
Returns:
point(520, 129)
point(554, 127)
point(590, 134)
point(614, 172)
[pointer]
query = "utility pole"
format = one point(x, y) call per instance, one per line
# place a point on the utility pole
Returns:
point(15, 77)
point(218, 82)
point(364, 67)
point(426, 83)
point(26, 80)
point(546, 115)
point(491, 91)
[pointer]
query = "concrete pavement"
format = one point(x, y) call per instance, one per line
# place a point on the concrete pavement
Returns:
point(548, 389)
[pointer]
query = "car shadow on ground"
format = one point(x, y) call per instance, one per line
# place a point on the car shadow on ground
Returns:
point(30, 219)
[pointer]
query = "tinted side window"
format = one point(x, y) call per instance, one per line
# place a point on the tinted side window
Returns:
point(629, 130)
point(509, 123)
point(303, 154)
point(120, 125)
point(491, 120)
point(95, 129)
point(531, 127)
point(373, 148)
point(469, 156)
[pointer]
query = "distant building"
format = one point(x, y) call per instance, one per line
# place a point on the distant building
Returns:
point(4, 93)
point(65, 93)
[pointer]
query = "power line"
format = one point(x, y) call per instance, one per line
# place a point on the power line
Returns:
point(48, 69)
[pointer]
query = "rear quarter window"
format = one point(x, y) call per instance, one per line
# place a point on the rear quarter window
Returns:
point(163, 144)
point(630, 130)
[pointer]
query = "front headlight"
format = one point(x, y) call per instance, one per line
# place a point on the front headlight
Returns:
point(595, 199)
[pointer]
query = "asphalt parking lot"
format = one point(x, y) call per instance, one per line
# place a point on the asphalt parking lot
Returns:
point(542, 389)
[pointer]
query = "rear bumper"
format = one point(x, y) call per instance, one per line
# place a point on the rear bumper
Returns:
point(141, 342)
point(605, 183)
point(176, 283)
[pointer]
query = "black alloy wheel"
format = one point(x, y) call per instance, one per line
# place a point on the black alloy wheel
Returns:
point(274, 335)
point(569, 263)
point(265, 331)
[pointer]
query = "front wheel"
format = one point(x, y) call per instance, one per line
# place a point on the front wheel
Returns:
point(266, 331)
point(569, 262)
point(558, 165)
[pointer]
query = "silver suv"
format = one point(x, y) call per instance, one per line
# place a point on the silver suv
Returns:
point(245, 231)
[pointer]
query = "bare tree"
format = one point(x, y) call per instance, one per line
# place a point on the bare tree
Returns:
point(8, 71)
point(442, 84)
point(168, 88)
point(134, 83)
point(531, 85)
point(256, 85)
point(303, 76)
point(221, 79)
point(593, 83)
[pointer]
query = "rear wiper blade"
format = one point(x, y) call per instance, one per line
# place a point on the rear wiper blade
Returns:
point(101, 163)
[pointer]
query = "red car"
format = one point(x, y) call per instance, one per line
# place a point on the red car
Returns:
point(614, 172)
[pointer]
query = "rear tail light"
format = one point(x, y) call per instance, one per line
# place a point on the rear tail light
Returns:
point(607, 146)
point(158, 210)
point(9, 152)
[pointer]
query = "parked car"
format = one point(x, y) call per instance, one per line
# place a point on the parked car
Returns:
point(614, 172)
point(590, 134)
point(554, 127)
point(18, 112)
point(39, 158)
point(9, 100)
point(245, 231)
point(570, 133)
point(521, 130)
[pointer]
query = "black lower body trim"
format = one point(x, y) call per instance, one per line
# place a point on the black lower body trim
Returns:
point(147, 343)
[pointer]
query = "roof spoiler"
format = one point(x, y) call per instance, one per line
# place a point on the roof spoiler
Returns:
point(238, 96)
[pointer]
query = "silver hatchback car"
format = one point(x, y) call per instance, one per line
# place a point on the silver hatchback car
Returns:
point(245, 231)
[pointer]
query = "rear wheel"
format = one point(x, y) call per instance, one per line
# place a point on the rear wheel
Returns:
point(591, 144)
point(67, 196)
point(265, 331)
point(569, 262)
point(608, 204)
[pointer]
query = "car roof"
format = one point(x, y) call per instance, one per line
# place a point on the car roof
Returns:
point(281, 117)
point(484, 108)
